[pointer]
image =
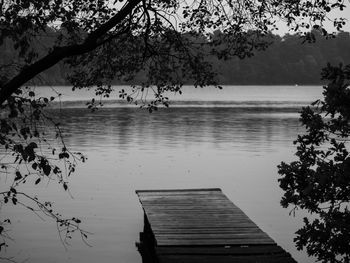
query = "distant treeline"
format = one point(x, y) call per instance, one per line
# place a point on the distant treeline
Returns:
point(287, 61)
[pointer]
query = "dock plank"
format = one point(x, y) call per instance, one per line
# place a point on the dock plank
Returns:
point(225, 259)
point(203, 225)
point(168, 209)
point(234, 250)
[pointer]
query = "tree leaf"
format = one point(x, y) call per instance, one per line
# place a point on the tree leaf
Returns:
point(18, 176)
point(47, 169)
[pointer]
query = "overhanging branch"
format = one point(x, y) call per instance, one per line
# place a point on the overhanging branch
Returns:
point(59, 53)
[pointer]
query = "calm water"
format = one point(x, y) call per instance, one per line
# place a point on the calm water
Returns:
point(231, 139)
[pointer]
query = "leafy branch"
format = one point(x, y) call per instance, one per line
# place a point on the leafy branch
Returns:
point(319, 180)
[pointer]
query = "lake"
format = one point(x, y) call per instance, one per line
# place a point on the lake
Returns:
point(231, 139)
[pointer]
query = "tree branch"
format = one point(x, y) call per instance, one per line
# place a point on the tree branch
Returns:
point(59, 53)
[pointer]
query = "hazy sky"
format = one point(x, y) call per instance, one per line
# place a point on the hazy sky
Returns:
point(283, 29)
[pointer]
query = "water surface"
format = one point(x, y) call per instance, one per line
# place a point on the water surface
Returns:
point(232, 140)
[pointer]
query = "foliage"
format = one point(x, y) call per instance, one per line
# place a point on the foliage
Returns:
point(23, 136)
point(151, 32)
point(319, 181)
point(99, 41)
point(282, 63)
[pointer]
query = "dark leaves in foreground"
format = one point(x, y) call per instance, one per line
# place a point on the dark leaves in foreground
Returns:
point(319, 181)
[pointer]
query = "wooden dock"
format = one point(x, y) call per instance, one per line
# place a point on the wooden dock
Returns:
point(201, 226)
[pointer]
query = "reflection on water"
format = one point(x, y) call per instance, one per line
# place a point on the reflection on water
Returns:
point(250, 130)
point(236, 149)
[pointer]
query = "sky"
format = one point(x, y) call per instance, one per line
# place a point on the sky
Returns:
point(283, 29)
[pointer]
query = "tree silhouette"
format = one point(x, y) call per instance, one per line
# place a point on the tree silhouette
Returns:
point(99, 42)
point(319, 180)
